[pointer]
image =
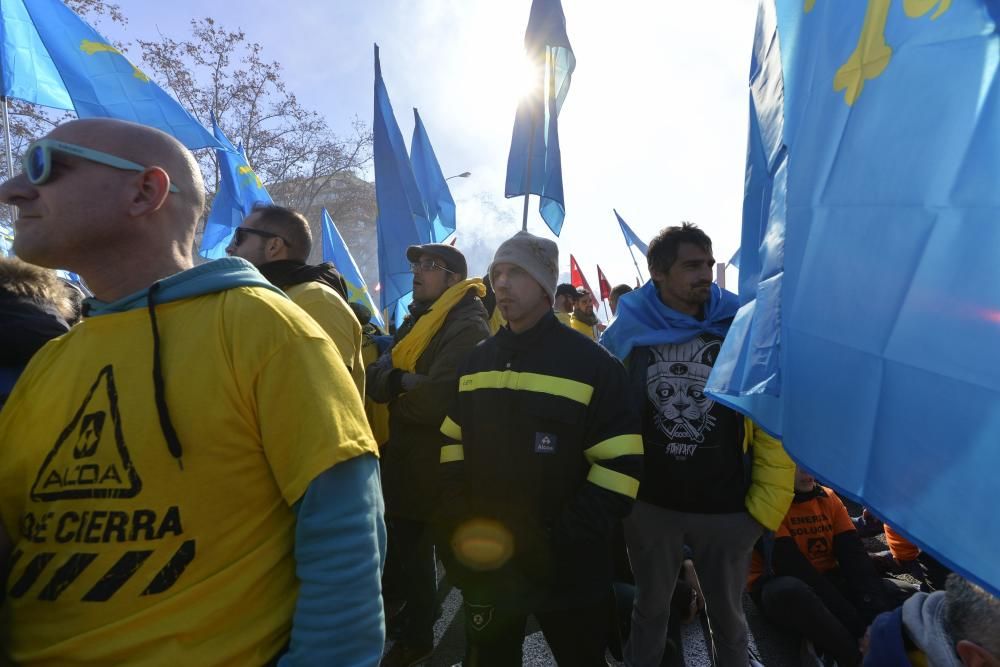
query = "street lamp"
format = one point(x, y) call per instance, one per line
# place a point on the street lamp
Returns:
point(464, 174)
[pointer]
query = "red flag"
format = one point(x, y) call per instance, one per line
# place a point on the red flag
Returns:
point(576, 279)
point(602, 282)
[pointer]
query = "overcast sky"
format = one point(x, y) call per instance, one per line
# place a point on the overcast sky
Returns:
point(654, 125)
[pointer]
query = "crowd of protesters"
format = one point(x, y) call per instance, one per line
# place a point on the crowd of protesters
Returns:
point(230, 463)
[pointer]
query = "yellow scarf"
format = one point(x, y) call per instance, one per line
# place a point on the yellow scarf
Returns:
point(408, 350)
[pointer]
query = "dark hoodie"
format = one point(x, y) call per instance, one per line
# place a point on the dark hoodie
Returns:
point(913, 634)
point(285, 273)
point(27, 326)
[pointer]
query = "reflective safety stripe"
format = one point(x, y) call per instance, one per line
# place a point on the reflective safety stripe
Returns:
point(621, 445)
point(451, 453)
point(545, 384)
point(451, 429)
point(613, 481)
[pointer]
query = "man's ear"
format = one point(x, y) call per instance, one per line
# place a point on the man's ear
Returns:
point(275, 249)
point(152, 187)
point(974, 655)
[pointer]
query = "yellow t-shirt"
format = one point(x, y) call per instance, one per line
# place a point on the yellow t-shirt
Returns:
point(565, 318)
point(120, 555)
point(337, 319)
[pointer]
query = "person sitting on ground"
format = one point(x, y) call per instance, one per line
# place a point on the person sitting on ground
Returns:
point(951, 628)
point(814, 578)
point(904, 557)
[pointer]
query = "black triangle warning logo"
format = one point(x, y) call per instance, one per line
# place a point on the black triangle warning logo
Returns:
point(89, 460)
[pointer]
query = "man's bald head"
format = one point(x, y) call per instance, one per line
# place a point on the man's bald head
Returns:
point(143, 145)
point(112, 225)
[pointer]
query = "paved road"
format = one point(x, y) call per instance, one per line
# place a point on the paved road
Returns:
point(774, 648)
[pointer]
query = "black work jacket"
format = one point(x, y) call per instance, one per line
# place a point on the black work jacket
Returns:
point(544, 441)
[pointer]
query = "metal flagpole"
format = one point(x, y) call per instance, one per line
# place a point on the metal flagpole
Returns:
point(527, 173)
point(10, 157)
point(6, 134)
point(637, 272)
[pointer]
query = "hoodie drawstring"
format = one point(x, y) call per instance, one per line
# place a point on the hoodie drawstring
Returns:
point(159, 392)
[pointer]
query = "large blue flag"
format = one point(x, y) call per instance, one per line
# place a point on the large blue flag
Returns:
point(95, 77)
point(746, 374)
point(878, 259)
point(534, 164)
point(336, 251)
point(431, 183)
point(239, 190)
point(631, 238)
point(402, 217)
point(27, 68)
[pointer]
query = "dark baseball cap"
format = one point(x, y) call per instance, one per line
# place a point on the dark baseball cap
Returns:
point(449, 255)
point(565, 289)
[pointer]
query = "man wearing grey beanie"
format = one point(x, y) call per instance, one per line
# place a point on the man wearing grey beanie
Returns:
point(541, 460)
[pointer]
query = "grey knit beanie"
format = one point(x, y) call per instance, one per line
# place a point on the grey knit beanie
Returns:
point(537, 256)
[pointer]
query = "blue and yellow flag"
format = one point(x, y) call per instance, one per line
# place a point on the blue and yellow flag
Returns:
point(871, 293)
point(402, 217)
point(336, 252)
point(27, 68)
point(431, 182)
point(534, 164)
point(239, 191)
point(95, 76)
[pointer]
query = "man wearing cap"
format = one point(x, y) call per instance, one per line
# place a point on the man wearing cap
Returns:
point(542, 458)
point(563, 308)
point(583, 319)
point(417, 378)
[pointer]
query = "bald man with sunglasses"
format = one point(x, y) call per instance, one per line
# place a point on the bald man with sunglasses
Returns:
point(173, 489)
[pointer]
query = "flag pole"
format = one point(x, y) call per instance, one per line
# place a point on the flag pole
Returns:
point(10, 156)
point(638, 274)
point(527, 176)
point(524, 219)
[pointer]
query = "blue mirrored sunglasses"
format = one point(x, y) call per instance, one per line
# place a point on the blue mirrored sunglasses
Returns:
point(37, 160)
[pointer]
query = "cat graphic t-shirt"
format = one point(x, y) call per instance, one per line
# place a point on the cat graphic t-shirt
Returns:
point(693, 454)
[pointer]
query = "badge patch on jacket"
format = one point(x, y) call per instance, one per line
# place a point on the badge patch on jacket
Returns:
point(545, 443)
point(480, 616)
